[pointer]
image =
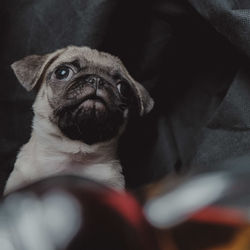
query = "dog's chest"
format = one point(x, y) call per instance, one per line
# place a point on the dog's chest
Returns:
point(81, 164)
point(90, 166)
point(66, 163)
point(38, 160)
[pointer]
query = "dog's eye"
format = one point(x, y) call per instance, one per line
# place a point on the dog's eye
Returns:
point(123, 88)
point(63, 73)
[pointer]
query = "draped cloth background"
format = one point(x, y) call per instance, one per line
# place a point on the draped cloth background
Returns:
point(192, 56)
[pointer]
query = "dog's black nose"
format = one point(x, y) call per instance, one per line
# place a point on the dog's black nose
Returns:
point(94, 80)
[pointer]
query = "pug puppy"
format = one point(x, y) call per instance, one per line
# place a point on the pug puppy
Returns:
point(83, 102)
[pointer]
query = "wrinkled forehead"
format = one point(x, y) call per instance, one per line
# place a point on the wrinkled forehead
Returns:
point(87, 57)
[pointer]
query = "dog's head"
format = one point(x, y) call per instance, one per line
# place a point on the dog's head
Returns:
point(89, 93)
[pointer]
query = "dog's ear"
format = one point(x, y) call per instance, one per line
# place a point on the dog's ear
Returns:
point(144, 100)
point(30, 69)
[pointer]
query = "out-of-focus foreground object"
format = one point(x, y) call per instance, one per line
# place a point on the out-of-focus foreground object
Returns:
point(72, 213)
point(204, 211)
point(207, 210)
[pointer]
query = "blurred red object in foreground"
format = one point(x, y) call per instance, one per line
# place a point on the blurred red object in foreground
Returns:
point(206, 212)
point(212, 228)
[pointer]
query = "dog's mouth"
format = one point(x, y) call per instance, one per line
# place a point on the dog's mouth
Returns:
point(81, 101)
point(94, 98)
point(93, 102)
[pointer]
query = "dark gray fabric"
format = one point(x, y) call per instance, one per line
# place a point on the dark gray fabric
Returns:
point(191, 55)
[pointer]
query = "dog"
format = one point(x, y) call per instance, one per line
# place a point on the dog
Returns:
point(84, 100)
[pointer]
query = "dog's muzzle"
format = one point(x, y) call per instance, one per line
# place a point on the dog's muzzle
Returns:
point(96, 116)
point(86, 87)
